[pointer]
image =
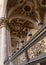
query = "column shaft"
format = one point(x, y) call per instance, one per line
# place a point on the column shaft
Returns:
point(4, 49)
point(3, 43)
point(3, 4)
point(0, 46)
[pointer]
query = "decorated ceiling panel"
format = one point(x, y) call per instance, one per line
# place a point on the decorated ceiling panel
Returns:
point(25, 15)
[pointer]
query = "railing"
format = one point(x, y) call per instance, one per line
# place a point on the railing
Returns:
point(38, 36)
point(37, 59)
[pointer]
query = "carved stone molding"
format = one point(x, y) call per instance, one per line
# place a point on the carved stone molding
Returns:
point(4, 22)
point(42, 3)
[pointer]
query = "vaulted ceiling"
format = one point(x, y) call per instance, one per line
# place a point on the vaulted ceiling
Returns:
point(25, 15)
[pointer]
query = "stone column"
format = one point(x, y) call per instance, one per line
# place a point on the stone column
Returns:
point(3, 36)
point(3, 4)
point(0, 45)
point(5, 43)
point(4, 49)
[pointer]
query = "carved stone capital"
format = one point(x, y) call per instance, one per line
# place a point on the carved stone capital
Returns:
point(3, 22)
